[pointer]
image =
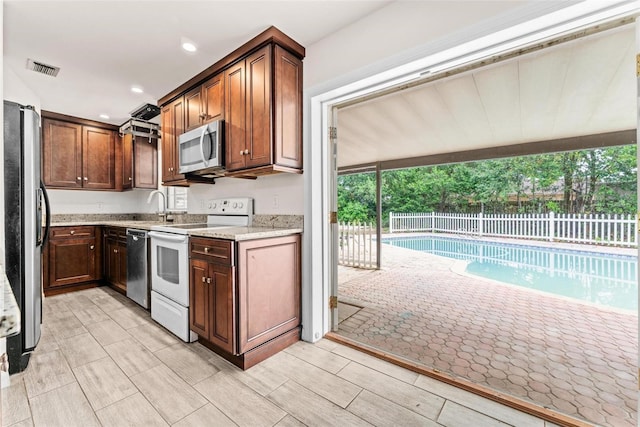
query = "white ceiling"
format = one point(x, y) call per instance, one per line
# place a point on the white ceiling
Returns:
point(583, 87)
point(105, 47)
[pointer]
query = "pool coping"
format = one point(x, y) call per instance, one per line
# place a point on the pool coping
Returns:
point(575, 247)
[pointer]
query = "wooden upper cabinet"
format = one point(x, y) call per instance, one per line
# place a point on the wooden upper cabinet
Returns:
point(272, 105)
point(98, 158)
point(126, 142)
point(77, 154)
point(172, 124)
point(62, 154)
point(205, 103)
point(258, 108)
point(287, 109)
point(145, 154)
point(257, 91)
point(193, 109)
point(235, 116)
point(213, 98)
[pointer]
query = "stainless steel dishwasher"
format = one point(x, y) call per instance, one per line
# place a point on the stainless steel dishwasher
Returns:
point(138, 266)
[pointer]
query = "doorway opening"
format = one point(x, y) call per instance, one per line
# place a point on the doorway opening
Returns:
point(385, 313)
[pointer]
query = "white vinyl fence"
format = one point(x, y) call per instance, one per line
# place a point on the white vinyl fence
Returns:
point(356, 245)
point(613, 230)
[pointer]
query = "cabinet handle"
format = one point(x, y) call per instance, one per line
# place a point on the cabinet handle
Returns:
point(129, 178)
point(203, 279)
point(72, 232)
point(208, 280)
point(115, 251)
point(86, 179)
point(242, 152)
point(91, 247)
point(78, 178)
point(203, 116)
point(246, 151)
point(206, 250)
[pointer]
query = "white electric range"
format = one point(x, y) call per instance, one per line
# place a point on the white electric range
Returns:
point(170, 262)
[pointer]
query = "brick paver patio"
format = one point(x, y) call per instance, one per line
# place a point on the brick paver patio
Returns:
point(571, 357)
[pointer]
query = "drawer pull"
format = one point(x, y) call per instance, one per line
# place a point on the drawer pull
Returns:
point(209, 280)
point(72, 232)
point(203, 279)
point(91, 247)
point(206, 250)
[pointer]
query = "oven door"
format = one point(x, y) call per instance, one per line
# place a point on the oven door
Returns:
point(201, 148)
point(170, 266)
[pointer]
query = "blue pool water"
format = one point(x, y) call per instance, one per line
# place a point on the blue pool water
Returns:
point(609, 280)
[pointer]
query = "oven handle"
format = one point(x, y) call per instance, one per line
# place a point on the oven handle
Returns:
point(169, 237)
point(204, 130)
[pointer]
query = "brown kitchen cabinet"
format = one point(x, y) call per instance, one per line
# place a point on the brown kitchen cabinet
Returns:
point(245, 296)
point(77, 153)
point(115, 257)
point(172, 125)
point(270, 99)
point(260, 86)
point(139, 162)
point(205, 103)
point(72, 259)
point(211, 283)
point(126, 142)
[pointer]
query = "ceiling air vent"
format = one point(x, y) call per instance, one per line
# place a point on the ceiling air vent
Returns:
point(40, 67)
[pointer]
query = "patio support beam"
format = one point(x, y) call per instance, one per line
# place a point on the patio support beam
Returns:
point(378, 216)
point(586, 142)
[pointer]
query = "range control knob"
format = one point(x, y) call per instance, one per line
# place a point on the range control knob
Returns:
point(235, 205)
point(240, 205)
point(210, 205)
point(213, 206)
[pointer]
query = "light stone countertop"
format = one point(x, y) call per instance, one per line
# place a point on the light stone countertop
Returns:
point(140, 225)
point(227, 233)
point(244, 233)
point(10, 316)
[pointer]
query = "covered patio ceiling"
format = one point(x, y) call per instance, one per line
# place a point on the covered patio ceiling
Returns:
point(560, 98)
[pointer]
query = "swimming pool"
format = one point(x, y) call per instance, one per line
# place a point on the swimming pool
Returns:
point(605, 279)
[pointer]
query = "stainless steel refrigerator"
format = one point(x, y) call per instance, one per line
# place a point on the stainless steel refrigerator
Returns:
point(25, 199)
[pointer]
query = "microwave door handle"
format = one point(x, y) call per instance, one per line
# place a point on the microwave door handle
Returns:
point(204, 160)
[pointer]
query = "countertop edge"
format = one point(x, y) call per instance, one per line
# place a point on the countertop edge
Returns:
point(228, 233)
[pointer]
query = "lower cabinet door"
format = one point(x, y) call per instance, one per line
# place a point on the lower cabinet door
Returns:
point(72, 261)
point(223, 312)
point(199, 319)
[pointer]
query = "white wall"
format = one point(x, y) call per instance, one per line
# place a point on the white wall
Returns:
point(275, 194)
point(100, 202)
point(15, 90)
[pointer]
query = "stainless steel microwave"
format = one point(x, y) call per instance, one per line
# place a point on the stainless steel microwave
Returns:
point(200, 150)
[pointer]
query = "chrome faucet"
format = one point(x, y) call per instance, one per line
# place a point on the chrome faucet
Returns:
point(162, 213)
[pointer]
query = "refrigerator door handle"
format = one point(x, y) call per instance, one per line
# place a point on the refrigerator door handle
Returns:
point(48, 216)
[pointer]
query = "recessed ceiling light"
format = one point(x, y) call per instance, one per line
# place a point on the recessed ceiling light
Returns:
point(189, 47)
point(136, 89)
point(104, 116)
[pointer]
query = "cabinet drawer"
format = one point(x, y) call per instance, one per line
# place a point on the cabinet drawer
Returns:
point(63, 232)
point(119, 233)
point(212, 249)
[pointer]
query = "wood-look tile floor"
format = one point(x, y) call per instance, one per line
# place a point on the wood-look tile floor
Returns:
point(103, 361)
